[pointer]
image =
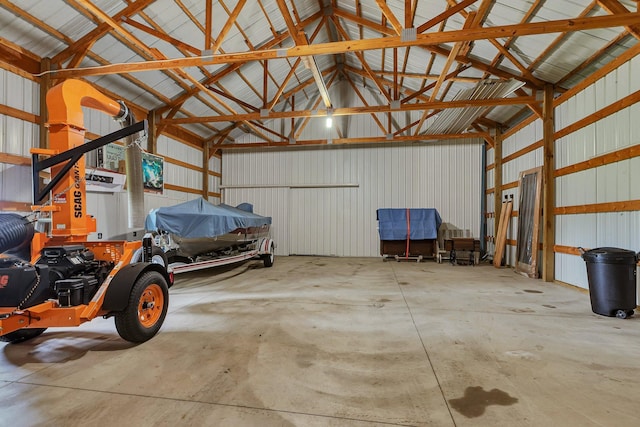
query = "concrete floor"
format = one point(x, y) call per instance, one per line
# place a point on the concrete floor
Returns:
point(339, 342)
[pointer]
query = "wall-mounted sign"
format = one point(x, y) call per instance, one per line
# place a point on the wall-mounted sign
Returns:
point(111, 157)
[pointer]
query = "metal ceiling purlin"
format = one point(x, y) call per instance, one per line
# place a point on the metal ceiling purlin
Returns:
point(457, 43)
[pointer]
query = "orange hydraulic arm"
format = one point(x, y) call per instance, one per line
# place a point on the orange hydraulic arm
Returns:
point(66, 131)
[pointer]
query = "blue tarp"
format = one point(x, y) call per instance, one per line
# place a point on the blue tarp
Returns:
point(199, 218)
point(424, 224)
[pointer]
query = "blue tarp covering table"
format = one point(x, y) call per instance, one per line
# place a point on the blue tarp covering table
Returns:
point(423, 223)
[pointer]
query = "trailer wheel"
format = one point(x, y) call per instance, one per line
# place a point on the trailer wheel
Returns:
point(22, 335)
point(269, 258)
point(146, 310)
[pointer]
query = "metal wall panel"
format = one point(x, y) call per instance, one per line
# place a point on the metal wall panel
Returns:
point(615, 182)
point(18, 92)
point(443, 176)
point(273, 202)
point(17, 136)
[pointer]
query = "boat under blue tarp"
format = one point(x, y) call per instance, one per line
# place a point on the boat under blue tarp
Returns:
point(200, 219)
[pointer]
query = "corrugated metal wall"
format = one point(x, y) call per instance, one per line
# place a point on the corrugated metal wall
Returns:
point(17, 136)
point(614, 182)
point(339, 218)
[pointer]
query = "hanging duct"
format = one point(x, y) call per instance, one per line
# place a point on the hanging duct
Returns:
point(458, 120)
point(135, 184)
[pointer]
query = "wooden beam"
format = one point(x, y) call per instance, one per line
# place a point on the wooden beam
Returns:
point(102, 29)
point(208, 25)
point(626, 206)
point(614, 7)
point(444, 15)
point(618, 105)
point(205, 171)
point(627, 55)
point(605, 159)
point(426, 88)
point(14, 159)
point(228, 25)
point(152, 132)
point(431, 39)
point(445, 69)
point(364, 102)
point(523, 151)
point(18, 57)
point(354, 110)
point(45, 85)
point(19, 114)
point(365, 140)
point(14, 206)
point(388, 13)
point(363, 62)
point(549, 191)
point(497, 178)
point(162, 36)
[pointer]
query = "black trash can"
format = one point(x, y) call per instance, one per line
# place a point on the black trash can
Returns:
point(612, 281)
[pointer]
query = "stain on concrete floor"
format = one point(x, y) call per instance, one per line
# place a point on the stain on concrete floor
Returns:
point(476, 400)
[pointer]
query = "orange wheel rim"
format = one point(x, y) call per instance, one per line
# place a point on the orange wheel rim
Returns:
point(150, 305)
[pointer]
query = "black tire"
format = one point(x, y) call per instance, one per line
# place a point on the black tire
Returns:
point(269, 258)
point(22, 335)
point(146, 309)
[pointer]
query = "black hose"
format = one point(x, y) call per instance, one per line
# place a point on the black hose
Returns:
point(16, 232)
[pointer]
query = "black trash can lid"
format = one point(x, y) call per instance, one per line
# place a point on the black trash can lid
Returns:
point(610, 256)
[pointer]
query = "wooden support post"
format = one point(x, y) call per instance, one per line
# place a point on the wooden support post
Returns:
point(549, 189)
point(152, 136)
point(497, 180)
point(265, 84)
point(45, 85)
point(205, 170)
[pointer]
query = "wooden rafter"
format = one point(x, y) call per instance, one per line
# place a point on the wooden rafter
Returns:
point(615, 7)
point(445, 15)
point(431, 39)
point(208, 25)
point(365, 140)
point(364, 101)
point(363, 62)
point(232, 68)
point(388, 22)
point(557, 41)
point(16, 56)
point(154, 53)
point(469, 22)
point(594, 57)
point(361, 110)
point(388, 14)
point(227, 26)
point(102, 29)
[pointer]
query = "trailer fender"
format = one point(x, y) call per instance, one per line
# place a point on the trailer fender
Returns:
point(117, 295)
point(265, 246)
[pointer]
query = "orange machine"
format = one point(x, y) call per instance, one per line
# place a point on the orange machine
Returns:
point(70, 280)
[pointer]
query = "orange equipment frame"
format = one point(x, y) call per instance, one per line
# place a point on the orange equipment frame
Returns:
point(67, 206)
